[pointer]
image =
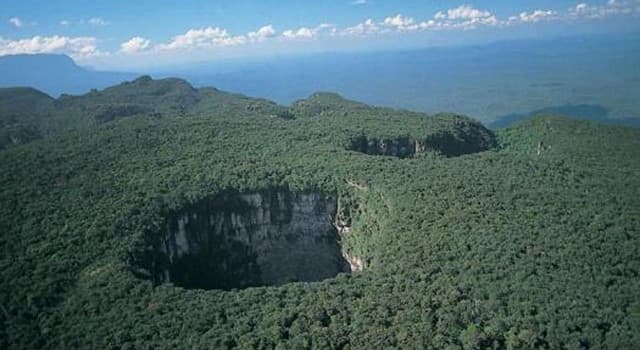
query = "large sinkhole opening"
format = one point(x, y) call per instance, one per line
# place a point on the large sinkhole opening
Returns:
point(401, 147)
point(238, 240)
point(465, 137)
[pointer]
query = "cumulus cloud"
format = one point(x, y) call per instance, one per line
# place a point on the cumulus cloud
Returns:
point(461, 17)
point(262, 34)
point(464, 17)
point(401, 23)
point(135, 45)
point(16, 22)
point(463, 12)
point(78, 47)
point(360, 29)
point(533, 16)
point(203, 38)
point(218, 37)
point(326, 28)
point(467, 17)
point(302, 32)
point(309, 33)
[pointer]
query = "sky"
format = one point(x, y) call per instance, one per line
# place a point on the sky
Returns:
point(128, 34)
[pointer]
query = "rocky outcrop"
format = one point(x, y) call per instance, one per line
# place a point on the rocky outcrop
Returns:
point(464, 137)
point(236, 240)
point(401, 147)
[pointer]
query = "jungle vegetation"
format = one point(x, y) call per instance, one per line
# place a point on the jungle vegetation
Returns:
point(527, 239)
point(26, 111)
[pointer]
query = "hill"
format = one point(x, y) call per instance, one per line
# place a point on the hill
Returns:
point(486, 81)
point(345, 226)
point(29, 109)
point(54, 74)
point(21, 100)
point(22, 113)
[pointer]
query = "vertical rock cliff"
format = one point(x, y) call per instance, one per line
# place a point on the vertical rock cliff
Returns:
point(236, 240)
point(463, 137)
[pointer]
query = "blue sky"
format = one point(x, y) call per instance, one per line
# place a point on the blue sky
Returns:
point(131, 34)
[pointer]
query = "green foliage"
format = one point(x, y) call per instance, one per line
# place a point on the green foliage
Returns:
point(27, 114)
point(22, 111)
point(533, 245)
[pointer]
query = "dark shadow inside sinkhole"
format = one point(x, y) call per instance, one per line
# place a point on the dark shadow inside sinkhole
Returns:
point(401, 147)
point(239, 240)
point(464, 138)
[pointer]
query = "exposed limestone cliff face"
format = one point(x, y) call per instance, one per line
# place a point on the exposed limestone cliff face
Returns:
point(402, 147)
point(465, 137)
point(237, 240)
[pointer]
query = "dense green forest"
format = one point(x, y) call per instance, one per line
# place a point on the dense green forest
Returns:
point(27, 114)
point(527, 238)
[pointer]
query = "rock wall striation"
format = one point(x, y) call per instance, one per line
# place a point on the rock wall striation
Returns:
point(237, 240)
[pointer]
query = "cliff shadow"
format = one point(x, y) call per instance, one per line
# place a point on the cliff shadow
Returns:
point(238, 240)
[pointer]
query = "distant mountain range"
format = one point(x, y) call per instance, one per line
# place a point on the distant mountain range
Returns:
point(594, 78)
point(485, 82)
point(54, 74)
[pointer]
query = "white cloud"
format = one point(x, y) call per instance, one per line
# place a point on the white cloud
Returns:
point(302, 32)
point(309, 33)
point(400, 23)
point(97, 21)
point(360, 29)
point(467, 17)
point(326, 27)
point(218, 37)
point(262, 34)
point(429, 25)
point(16, 22)
point(462, 17)
point(135, 45)
point(610, 9)
point(463, 12)
point(203, 38)
point(533, 16)
point(78, 47)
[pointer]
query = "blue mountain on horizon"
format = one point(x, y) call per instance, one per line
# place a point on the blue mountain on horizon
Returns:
point(588, 77)
point(54, 74)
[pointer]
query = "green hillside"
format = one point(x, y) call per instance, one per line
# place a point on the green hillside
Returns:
point(465, 239)
point(22, 112)
point(29, 109)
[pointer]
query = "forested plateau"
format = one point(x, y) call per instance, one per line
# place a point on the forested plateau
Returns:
point(155, 215)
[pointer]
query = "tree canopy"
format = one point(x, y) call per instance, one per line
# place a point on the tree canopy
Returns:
point(528, 240)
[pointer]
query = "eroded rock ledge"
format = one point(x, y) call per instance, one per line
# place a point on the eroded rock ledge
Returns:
point(465, 137)
point(237, 240)
point(401, 147)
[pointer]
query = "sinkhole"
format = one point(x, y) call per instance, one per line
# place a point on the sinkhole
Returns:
point(401, 147)
point(239, 240)
point(465, 138)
